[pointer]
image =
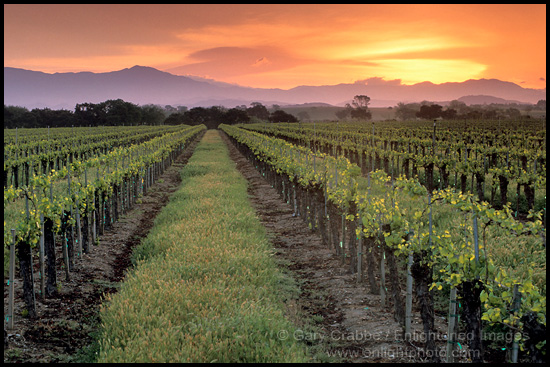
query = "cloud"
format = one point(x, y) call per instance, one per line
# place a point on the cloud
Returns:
point(261, 62)
point(352, 62)
point(228, 61)
point(412, 71)
point(542, 79)
point(379, 81)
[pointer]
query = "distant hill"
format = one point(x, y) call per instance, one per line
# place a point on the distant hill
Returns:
point(144, 85)
point(481, 99)
point(309, 104)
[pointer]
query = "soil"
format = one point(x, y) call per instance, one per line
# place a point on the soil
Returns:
point(353, 325)
point(65, 324)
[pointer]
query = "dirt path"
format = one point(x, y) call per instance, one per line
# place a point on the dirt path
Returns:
point(66, 322)
point(353, 323)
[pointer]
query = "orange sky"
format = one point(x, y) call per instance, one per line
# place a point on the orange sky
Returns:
point(283, 46)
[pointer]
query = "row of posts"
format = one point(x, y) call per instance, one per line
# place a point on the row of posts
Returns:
point(453, 316)
point(152, 173)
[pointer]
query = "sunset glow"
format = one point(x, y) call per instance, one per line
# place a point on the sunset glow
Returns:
point(283, 46)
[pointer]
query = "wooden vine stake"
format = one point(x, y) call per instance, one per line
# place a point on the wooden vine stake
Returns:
point(41, 259)
point(383, 279)
point(71, 253)
point(325, 192)
point(9, 316)
point(453, 323)
point(516, 304)
point(79, 232)
point(89, 222)
point(360, 249)
point(294, 200)
point(31, 299)
point(473, 307)
point(451, 328)
point(94, 226)
point(65, 249)
point(476, 240)
point(408, 299)
point(343, 253)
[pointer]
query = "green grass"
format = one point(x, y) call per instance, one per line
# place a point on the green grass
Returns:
point(205, 287)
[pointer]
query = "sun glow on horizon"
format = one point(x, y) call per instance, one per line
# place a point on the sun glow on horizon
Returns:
point(412, 71)
point(283, 46)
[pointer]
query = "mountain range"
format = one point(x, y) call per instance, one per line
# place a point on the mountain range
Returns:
point(146, 85)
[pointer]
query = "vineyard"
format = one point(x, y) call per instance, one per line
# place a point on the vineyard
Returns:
point(66, 191)
point(443, 218)
point(450, 239)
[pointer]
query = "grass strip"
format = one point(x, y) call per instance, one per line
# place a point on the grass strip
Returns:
point(205, 287)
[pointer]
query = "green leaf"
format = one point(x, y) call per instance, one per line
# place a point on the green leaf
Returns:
point(483, 296)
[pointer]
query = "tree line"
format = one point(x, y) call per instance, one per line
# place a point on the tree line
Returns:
point(211, 117)
point(118, 112)
point(459, 110)
point(359, 110)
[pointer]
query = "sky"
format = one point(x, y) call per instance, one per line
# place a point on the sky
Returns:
point(285, 45)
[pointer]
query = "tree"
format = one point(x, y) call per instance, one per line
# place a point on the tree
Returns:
point(195, 116)
point(90, 114)
point(473, 115)
point(282, 116)
point(215, 116)
point(361, 101)
point(211, 117)
point(235, 116)
point(303, 115)
point(169, 109)
point(449, 113)
point(361, 114)
point(15, 116)
point(406, 111)
point(513, 113)
point(490, 113)
point(176, 119)
point(360, 108)
point(119, 112)
point(152, 115)
point(429, 112)
point(54, 118)
point(258, 110)
point(460, 107)
point(343, 114)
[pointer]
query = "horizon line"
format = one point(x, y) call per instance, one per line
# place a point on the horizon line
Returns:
point(205, 79)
